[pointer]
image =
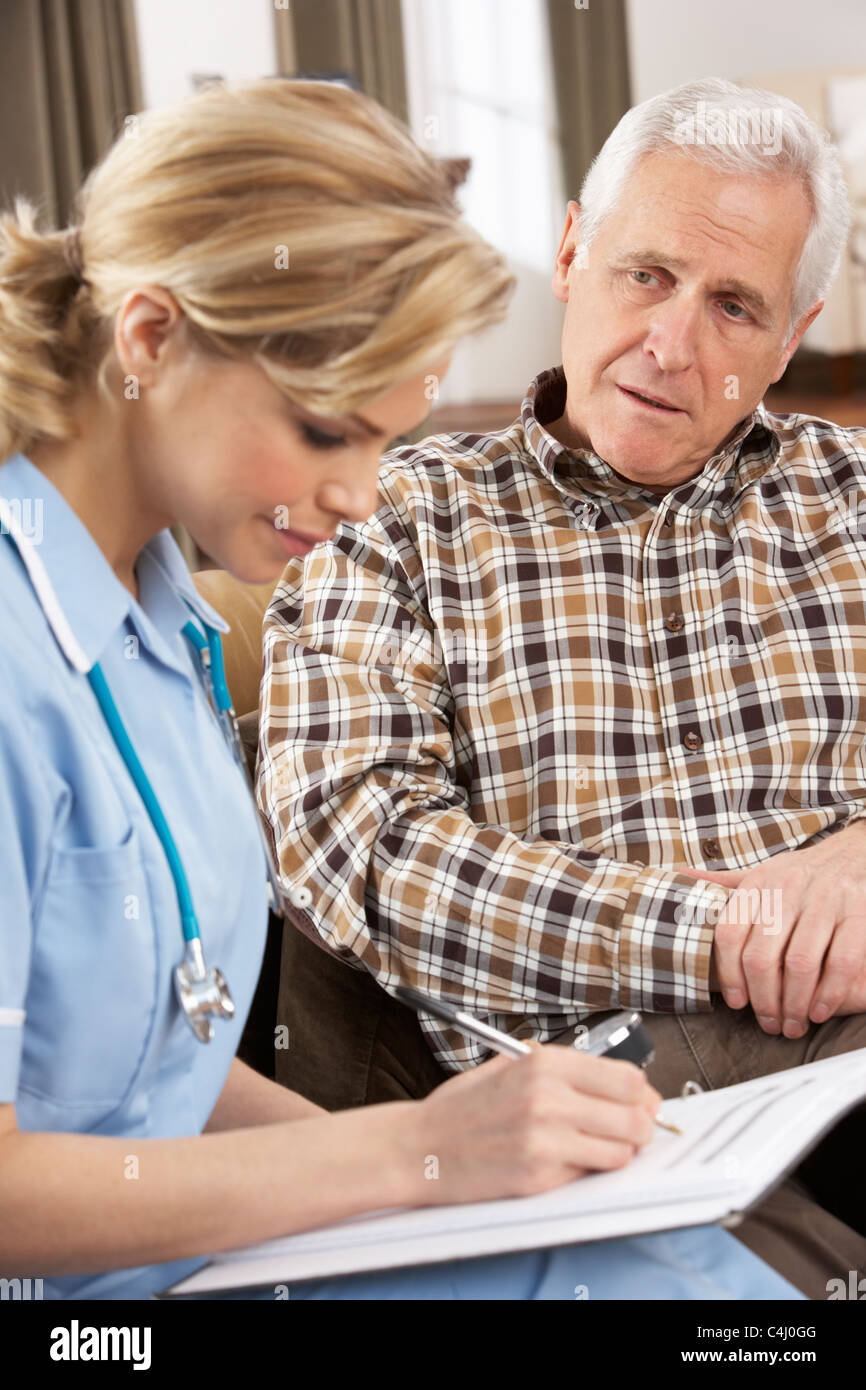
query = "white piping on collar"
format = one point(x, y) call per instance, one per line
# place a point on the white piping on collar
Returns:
point(57, 619)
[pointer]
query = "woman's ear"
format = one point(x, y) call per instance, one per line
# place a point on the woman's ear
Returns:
point(148, 323)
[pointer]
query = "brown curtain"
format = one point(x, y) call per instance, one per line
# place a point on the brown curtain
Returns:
point(69, 75)
point(362, 39)
point(590, 67)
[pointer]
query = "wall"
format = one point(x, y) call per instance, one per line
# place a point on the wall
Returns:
point(177, 38)
point(673, 41)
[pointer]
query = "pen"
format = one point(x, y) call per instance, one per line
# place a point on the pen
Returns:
point(473, 1028)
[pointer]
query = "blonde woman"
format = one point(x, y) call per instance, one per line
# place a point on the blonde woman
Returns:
point(262, 280)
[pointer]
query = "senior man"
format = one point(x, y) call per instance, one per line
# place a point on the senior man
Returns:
point(577, 720)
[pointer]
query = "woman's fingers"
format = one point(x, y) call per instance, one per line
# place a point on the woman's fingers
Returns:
point(609, 1077)
point(598, 1096)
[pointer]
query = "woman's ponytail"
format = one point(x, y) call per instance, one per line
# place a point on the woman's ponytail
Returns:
point(46, 332)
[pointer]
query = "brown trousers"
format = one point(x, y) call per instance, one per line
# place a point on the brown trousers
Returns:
point(344, 1042)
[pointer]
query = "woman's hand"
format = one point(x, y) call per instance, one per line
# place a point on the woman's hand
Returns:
point(516, 1126)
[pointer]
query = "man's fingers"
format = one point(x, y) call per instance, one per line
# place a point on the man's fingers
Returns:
point(728, 878)
point(801, 969)
point(729, 938)
point(842, 964)
point(763, 951)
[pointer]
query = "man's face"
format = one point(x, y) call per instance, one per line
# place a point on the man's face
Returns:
point(684, 295)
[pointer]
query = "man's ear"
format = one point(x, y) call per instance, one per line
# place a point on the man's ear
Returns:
point(565, 254)
point(794, 341)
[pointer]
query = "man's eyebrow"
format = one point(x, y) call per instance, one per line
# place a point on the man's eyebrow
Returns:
point(648, 256)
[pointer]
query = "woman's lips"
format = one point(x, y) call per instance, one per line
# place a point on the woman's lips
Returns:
point(296, 542)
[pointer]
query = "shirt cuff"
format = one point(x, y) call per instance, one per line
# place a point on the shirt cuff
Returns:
point(667, 943)
point(11, 1039)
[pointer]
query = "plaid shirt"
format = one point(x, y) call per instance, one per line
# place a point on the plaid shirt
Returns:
point(493, 713)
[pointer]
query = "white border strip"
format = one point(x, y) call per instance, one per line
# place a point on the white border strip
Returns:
point(44, 591)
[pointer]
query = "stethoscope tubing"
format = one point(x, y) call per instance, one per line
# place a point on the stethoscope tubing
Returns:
point(125, 747)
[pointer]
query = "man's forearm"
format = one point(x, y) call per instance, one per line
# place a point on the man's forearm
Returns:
point(248, 1098)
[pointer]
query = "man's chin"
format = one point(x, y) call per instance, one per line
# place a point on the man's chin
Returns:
point(637, 476)
point(636, 468)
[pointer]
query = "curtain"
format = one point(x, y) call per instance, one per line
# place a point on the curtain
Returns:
point(589, 47)
point(69, 75)
point(358, 39)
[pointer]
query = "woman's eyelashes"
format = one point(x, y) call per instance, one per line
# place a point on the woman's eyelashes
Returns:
point(320, 439)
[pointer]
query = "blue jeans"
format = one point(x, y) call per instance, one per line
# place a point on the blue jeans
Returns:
point(699, 1262)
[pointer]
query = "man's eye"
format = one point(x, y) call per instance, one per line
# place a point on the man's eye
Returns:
point(642, 272)
point(320, 439)
point(732, 304)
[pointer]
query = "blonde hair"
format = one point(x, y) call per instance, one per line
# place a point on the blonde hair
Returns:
point(296, 223)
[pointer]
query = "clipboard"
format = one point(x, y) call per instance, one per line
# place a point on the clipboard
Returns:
point(737, 1144)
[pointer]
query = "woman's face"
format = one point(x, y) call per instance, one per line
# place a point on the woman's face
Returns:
point(253, 478)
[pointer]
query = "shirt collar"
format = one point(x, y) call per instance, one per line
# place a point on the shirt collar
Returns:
point(90, 603)
point(734, 465)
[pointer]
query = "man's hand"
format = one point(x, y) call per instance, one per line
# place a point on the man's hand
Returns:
point(791, 940)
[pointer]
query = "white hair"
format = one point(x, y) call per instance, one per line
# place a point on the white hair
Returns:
point(727, 125)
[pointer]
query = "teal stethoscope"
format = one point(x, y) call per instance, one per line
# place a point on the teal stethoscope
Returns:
point(202, 992)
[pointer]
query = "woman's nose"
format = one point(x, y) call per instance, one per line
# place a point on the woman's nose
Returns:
point(357, 498)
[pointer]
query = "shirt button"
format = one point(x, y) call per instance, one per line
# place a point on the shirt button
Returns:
point(692, 741)
point(711, 849)
point(675, 622)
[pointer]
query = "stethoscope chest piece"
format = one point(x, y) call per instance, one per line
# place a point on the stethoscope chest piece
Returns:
point(201, 992)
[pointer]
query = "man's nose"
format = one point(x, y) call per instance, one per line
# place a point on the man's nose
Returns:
point(673, 334)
